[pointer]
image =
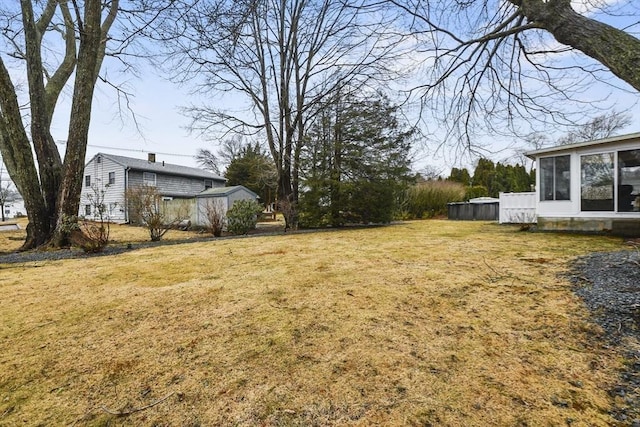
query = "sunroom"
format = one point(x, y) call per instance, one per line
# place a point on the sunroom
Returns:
point(590, 186)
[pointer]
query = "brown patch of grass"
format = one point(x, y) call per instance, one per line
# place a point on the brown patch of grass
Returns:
point(10, 241)
point(423, 323)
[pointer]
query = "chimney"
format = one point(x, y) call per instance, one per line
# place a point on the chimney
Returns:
point(152, 157)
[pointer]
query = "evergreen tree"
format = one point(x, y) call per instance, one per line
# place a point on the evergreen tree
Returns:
point(485, 174)
point(251, 167)
point(355, 164)
point(460, 175)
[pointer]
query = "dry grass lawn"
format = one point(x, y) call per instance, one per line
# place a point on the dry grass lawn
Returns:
point(421, 323)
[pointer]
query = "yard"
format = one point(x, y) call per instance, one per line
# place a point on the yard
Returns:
point(420, 323)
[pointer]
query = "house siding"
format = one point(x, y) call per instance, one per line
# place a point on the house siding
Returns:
point(113, 194)
point(127, 176)
point(172, 185)
point(240, 194)
point(571, 208)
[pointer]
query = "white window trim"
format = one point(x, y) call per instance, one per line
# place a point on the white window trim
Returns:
point(146, 178)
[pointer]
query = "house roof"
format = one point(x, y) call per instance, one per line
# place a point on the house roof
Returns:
point(560, 148)
point(224, 191)
point(160, 167)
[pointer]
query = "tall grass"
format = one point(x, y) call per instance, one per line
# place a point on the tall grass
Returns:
point(429, 199)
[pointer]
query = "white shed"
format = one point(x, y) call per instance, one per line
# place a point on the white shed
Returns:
point(221, 199)
point(590, 186)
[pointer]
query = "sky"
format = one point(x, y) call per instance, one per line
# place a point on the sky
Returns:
point(162, 129)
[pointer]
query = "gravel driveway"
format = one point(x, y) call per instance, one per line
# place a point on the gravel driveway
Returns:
point(609, 284)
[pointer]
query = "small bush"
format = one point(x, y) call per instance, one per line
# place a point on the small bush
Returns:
point(146, 207)
point(95, 230)
point(476, 191)
point(243, 216)
point(214, 217)
point(429, 199)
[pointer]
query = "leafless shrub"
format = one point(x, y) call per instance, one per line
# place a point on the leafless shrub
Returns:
point(214, 216)
point(147, 208)
point(96, 227)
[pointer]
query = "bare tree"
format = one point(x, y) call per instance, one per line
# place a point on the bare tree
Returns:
point(216, 162)
point(56, 45)
point(518, 62)
point(147, 208)
point(208, 160)
point(602, 126)
point(97, 227)
point(50, 187)
point(281, 58)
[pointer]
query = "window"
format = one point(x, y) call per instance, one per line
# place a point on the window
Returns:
point(112, 178)
point(149, 178)
point(629, 181)
point(87, 210)
point(596, 182)
point(208, 183)
point(87, 181)
point(555, 178)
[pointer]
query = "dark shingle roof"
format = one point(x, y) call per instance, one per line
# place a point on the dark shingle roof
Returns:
point(161, 167)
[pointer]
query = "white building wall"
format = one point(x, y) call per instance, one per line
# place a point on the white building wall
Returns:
point(571, 208)
point(14, 209)
point(99, 171)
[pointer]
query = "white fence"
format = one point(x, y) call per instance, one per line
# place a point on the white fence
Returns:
point(517, 208)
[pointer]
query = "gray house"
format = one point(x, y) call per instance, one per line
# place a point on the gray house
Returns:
point(116, 174)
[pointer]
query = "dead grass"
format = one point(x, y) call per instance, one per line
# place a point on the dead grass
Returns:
point(423, 323)
point(10, 241)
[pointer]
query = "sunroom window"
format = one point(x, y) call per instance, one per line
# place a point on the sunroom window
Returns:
point(555, 178)
point(596, 182)
point(629, 181)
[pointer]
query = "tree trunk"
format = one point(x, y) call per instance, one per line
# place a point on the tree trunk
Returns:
point(86, 74)
point(616, 49)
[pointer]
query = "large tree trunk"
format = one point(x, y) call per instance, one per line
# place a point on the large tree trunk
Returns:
point(89, 60)
point(51, 190)
point(17, 156)
point(617, 50)
point(49, 162)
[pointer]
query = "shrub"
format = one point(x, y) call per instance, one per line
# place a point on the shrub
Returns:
point(476, 191)
point(95, 231)
point(428, 199)
point(214, 217)
point(146, 207)
point(243, 216)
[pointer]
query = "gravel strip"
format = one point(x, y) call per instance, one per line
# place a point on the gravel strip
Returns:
point(609, 284)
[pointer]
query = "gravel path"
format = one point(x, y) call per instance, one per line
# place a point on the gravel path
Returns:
point(609, 284)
